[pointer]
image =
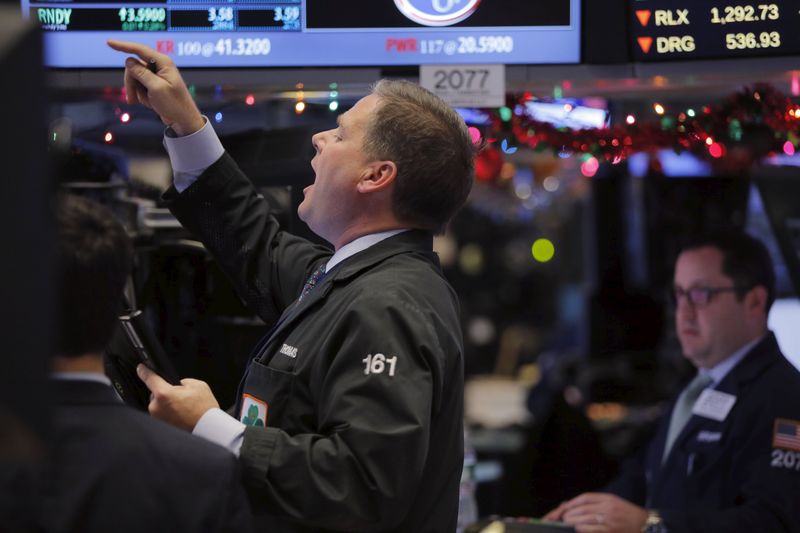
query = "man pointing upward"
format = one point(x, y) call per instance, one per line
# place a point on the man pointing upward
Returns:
point(349, 416)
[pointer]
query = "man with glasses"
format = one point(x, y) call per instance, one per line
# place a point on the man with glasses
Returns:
point(726, 457)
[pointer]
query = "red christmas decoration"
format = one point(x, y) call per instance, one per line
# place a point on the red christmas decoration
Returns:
point(744, 128)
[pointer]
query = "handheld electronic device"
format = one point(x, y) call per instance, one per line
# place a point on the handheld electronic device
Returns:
point(133, 342)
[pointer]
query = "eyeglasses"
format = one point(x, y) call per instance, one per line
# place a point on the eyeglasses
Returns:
point(699, 296)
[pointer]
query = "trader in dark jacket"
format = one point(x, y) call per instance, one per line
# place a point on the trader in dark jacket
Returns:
point(349, 416)
point(112, 468)
point(731, 461)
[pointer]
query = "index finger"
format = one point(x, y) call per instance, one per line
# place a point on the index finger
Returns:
point(143, 51)
point(155, 383)
point(130, 47)
point(583, 499)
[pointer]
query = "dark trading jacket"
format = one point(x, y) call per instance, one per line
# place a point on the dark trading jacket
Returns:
point(727, 476)
point(114, 469)
point(362, 379)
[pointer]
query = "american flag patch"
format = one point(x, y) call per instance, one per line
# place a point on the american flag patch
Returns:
point(786, 434)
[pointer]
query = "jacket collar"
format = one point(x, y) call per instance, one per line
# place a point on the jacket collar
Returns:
point(758, 359)
point(762, 356)
point(416, 241)
point(83, 392)
point(413, 241)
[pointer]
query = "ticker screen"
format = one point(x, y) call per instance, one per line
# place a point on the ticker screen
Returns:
point(290, 33)
point(711, 29)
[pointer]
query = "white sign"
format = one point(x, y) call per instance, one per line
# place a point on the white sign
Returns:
point(714, 404)
point(466, 85)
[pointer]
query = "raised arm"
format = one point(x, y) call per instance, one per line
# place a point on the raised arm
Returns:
point(163, 91)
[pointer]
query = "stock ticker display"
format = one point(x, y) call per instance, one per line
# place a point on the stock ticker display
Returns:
point(713, 29)
point(256, 33)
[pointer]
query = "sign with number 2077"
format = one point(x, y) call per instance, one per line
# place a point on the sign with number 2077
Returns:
point(466, 85)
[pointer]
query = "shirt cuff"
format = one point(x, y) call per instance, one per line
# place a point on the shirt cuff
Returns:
point(220, 428)
point(191, 155)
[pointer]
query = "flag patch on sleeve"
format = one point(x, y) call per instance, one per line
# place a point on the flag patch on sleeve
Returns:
point(786, 434)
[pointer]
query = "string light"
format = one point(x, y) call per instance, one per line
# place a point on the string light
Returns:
point(543, 250)
point(334, 94)
point(507, 149)
point(475, 134)
point(300, 104)
point(125, 118)
point(551, 184)
point(716, 150)
point(523, 191)
point(630, 120)
point(250, 99)
point(108, 137)
point(658, 108)
point(589, 167)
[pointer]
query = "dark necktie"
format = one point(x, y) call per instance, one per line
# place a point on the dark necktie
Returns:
point(683, 409)
point(312, 281)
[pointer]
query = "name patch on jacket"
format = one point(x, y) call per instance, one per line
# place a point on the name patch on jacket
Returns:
point(714, 404)
point(709, 436)
point(289, 351)
point(254, 411)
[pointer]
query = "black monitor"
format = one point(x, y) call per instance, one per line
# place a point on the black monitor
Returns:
point(712, 29)
point(312, 33)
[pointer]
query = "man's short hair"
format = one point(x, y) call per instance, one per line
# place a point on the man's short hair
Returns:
point(745, 260)
point(432, 148)
point(94, 257)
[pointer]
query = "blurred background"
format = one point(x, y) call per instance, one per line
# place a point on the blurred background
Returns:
point(622, 131)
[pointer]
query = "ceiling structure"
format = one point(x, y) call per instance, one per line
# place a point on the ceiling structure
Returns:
point(622, 82)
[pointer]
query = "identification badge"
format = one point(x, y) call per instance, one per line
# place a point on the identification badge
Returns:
point(709, 436)
point(714, 404)
point(254, 411)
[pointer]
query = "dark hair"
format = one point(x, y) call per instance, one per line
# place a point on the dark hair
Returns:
point(95, 257)
point(431, 146)
point(745, 260)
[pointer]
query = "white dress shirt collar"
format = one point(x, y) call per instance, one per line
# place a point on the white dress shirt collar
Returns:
point(82, 376)
point(719, 372)
point(359, 245)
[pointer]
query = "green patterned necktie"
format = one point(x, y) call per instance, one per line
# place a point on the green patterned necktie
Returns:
point(683, 409)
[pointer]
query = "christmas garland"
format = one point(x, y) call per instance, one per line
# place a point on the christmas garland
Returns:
point(741, 130)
